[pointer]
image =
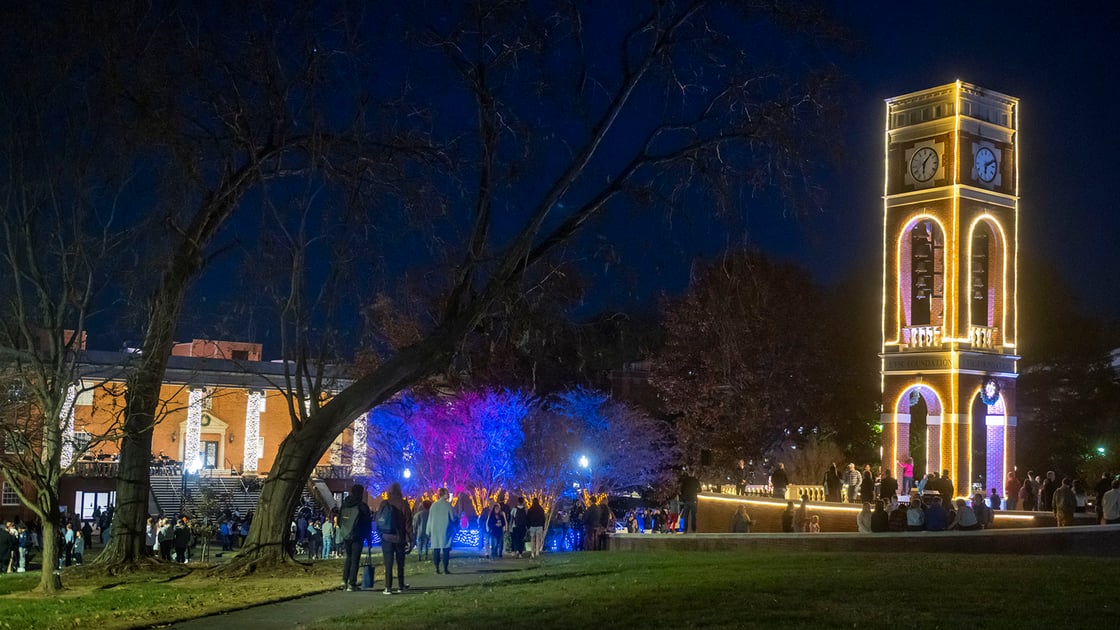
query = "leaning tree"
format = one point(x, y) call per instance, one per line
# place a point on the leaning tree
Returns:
point(552, 116)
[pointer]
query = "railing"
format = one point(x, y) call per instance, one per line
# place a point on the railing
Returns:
point(981, 336)
point(793, 492)
point(334, 472)
point(923, 336)
point(96, 469)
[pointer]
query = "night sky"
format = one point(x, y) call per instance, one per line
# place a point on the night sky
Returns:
point(1060, 62)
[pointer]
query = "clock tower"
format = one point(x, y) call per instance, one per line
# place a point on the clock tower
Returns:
point(950, 327)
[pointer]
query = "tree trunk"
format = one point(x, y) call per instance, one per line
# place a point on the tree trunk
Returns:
point(126, 547)
point(128, 542)
point(50, 581)
point(268, 533)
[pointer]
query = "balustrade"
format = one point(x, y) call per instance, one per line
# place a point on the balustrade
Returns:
point(923, 336)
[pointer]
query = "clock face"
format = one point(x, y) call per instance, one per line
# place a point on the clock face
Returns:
point(923, 164)
point(986, 165)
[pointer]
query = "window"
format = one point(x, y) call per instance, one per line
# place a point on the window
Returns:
point(85, 395)
point(81, 442)
point(9, 495)
point(240, 355)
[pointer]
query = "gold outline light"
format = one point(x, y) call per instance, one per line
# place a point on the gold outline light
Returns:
point(1003, 281)
point(906, 224)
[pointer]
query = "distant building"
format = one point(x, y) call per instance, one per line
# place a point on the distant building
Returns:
point(223, 413)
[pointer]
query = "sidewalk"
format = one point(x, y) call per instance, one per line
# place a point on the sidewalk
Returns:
point(467, 568)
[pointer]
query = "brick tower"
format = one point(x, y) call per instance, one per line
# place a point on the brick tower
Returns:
point(950, 237)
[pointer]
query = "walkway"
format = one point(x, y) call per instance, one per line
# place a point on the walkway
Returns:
point(467, 569)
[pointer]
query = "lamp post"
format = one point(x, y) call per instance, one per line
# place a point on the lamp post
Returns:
point(586, 464)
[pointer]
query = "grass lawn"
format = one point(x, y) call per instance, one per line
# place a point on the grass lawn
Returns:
point(771, 590)
point(626, 590)
point(93, 600)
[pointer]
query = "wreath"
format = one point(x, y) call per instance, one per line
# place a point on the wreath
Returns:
point(989, 392)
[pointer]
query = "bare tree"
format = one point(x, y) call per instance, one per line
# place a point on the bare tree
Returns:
point(666, 111)
point(56, 245)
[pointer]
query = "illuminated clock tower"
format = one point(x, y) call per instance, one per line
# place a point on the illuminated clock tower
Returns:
point(950, 247)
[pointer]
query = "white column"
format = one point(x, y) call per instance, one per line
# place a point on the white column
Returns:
point(66, 419)
point(192, 441)
point(253, 409)
point(358, 459)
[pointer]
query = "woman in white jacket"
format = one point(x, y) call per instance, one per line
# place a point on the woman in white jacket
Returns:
point(441, 521)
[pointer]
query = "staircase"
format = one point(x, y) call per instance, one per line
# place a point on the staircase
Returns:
point(233, 492)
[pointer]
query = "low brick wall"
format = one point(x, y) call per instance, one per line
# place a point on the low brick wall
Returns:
point(715, 512)
point(1099, 541)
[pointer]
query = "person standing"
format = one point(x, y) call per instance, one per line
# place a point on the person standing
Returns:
point(690, 491)
point(353, 530)
point(907, 466)
point(79, 547)
point(535, 519)
point(832, 485)
point(68, 541)
point(518, 520)
point(888, 487)
point(496, 527)
point(396, 536)
point(1011, 488)
point(328, 535)
point(779, 481)
point(1050, 485)
point(441, 518)
point(852, 479)
point(1064, 502)
point(867, 486)
point(1110, 505)
point(182, 539)
point(8, 543)
point(1028, 493)
point(741, 478)
point(1104, 484)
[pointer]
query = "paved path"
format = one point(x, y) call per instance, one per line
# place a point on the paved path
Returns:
point(304, 611)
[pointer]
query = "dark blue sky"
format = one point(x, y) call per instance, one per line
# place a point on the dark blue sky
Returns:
point(1062, 65)
point(1059, 62)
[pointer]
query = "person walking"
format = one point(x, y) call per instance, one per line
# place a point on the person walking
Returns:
point(396, 536)
point(441, 520)
point(535, 519)
point(353, 530)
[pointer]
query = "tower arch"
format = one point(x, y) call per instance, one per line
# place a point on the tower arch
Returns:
point(917, 423)
point(921, 281)
point(987, 277)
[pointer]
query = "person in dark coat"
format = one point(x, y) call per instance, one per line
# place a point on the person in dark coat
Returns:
point(591, 526)
point(888, 487)
point(536, 520)
point(832, 485)
point(396, 543)
point(354, 522)
point(867, 487)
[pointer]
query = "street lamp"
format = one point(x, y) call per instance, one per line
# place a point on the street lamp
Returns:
point(407, 474)
point(585, 463)
point(1100, 451)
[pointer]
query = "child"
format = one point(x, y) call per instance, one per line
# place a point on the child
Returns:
point(815, 524)
point(79, 546)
